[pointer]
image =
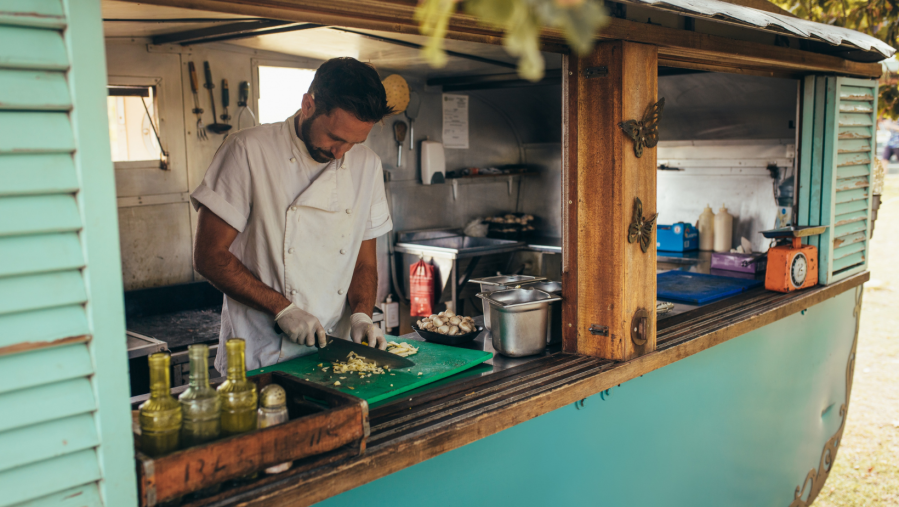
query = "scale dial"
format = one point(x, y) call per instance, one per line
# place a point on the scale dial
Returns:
point(798, 270)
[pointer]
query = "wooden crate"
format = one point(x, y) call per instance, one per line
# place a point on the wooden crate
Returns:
point(312, 429)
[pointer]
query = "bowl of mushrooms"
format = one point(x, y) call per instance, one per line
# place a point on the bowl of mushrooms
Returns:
point(447, 328)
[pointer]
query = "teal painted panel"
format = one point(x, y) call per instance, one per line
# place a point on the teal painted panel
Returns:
point(87, 495)
point(33, 292)
point(43, 325)
point(54, 364)
point(46, 403)
point(857, 93)
point(806, 147)
point(737, 425)
point(855, 133)
point(38, 214)
point(101, 242)
point(57, 474)
point(855, 120)
point(34, 90)
point(48, 440)
point(38, 13)
point(850, 239)
point(32, 48)
point(37, 174)
point(40, 253)
point(35, 132)
point(851, 159)
point(851, 183)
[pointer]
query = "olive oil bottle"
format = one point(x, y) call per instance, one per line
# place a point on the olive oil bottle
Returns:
point(238, 394)
point(201, 407)
point(160, 416)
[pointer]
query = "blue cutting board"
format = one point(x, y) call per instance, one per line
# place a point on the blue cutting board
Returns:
point(699, 289)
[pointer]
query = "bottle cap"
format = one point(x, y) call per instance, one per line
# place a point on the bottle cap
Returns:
point(272, 396)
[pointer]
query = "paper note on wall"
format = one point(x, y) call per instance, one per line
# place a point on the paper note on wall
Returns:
point(455, 121)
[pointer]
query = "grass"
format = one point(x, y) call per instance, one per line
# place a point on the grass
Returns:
point(866, 472)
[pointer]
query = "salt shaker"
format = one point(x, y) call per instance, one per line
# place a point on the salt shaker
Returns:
point(272, 411)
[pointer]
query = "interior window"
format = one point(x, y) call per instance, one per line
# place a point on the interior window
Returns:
point(130, 110)
point(281, 91)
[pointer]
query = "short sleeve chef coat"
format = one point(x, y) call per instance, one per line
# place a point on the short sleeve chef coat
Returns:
point(300, 224)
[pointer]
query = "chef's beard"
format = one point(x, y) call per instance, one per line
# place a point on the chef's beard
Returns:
point(317, 154)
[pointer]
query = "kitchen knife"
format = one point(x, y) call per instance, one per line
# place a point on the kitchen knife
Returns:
point(338, 349)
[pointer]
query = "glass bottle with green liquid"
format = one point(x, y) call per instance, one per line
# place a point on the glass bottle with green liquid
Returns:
point(238, 394)
point(160, 416)
point(201, 407)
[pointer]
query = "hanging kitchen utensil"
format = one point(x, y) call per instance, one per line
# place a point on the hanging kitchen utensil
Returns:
point(163, 155)
point(397, 92)
point(218, 128)
point(226, 101)
point(243, 98)
point(412, 113)
point(399, 132)
point(194, 87)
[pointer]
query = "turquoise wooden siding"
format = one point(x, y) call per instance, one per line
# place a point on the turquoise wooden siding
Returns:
point(838, 148)
point(64, 415)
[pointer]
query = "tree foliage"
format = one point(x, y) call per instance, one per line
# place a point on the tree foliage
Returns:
point(879, 18)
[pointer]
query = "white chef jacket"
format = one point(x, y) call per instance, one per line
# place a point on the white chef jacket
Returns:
point(300, 224)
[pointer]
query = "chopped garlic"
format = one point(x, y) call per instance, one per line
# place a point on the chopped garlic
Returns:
point(342, 378)
point(356, 364)
point(419, 373)
point(337, 383)
point(401, 349)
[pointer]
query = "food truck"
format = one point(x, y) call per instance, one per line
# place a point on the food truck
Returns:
point(672, 382)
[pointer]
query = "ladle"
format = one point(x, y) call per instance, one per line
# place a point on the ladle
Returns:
point(412, 113)
point(218, 128)
point(399, 132)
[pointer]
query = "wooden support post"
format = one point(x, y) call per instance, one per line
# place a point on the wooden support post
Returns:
point(609, 281)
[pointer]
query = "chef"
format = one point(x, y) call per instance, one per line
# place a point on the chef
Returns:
point(288, 216)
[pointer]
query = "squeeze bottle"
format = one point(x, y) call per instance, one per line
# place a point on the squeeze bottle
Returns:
point(706, 226)
point(724, 230)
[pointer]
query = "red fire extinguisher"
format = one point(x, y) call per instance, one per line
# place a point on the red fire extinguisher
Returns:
point(421, 293)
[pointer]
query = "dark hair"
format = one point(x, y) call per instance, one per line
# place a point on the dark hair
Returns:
point(351, 85)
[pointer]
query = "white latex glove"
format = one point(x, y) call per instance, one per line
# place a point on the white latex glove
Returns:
point(301, 327)
point(363, 329)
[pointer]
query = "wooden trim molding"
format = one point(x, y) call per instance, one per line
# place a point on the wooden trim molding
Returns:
point(675, 46)
point(418, 428)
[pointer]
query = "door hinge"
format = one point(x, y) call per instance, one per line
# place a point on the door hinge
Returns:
point(596, 329)
point(600, 71)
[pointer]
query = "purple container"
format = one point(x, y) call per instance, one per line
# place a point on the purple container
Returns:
point(743, 263)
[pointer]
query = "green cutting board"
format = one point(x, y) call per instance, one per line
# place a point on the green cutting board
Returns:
point(432, 363)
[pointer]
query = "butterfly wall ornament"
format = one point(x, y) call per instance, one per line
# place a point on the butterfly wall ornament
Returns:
point(644, 132)
point(641, 228)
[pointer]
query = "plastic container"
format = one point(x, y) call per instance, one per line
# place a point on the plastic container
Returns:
point(706, 227)
point(724, 230)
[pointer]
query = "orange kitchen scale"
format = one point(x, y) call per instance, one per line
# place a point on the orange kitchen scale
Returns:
point(792, 265)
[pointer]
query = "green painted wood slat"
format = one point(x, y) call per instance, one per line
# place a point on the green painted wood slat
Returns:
point(850, 260)
point(48, 476)
point(854, 146)
point(855, 120)
point(39, 442)
point(828, 173)
point(35, 132)
point(845, 184)
point(849, 239)
point(857, 93)
point(855, 133)
point(32, 48)
point(850, 228)
point(33, 13)
point(51, 173)
point(38, 214)
point(852, 171)
point(34, 90)
point(46, 403)
point(849, 207)
point(850, 159)
point(55, 364)
point(839, 253)
point(855, 216)
point(45, 290)
point(845, 196)
point(86, 495)
point(40, 253)
point(46, 325)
